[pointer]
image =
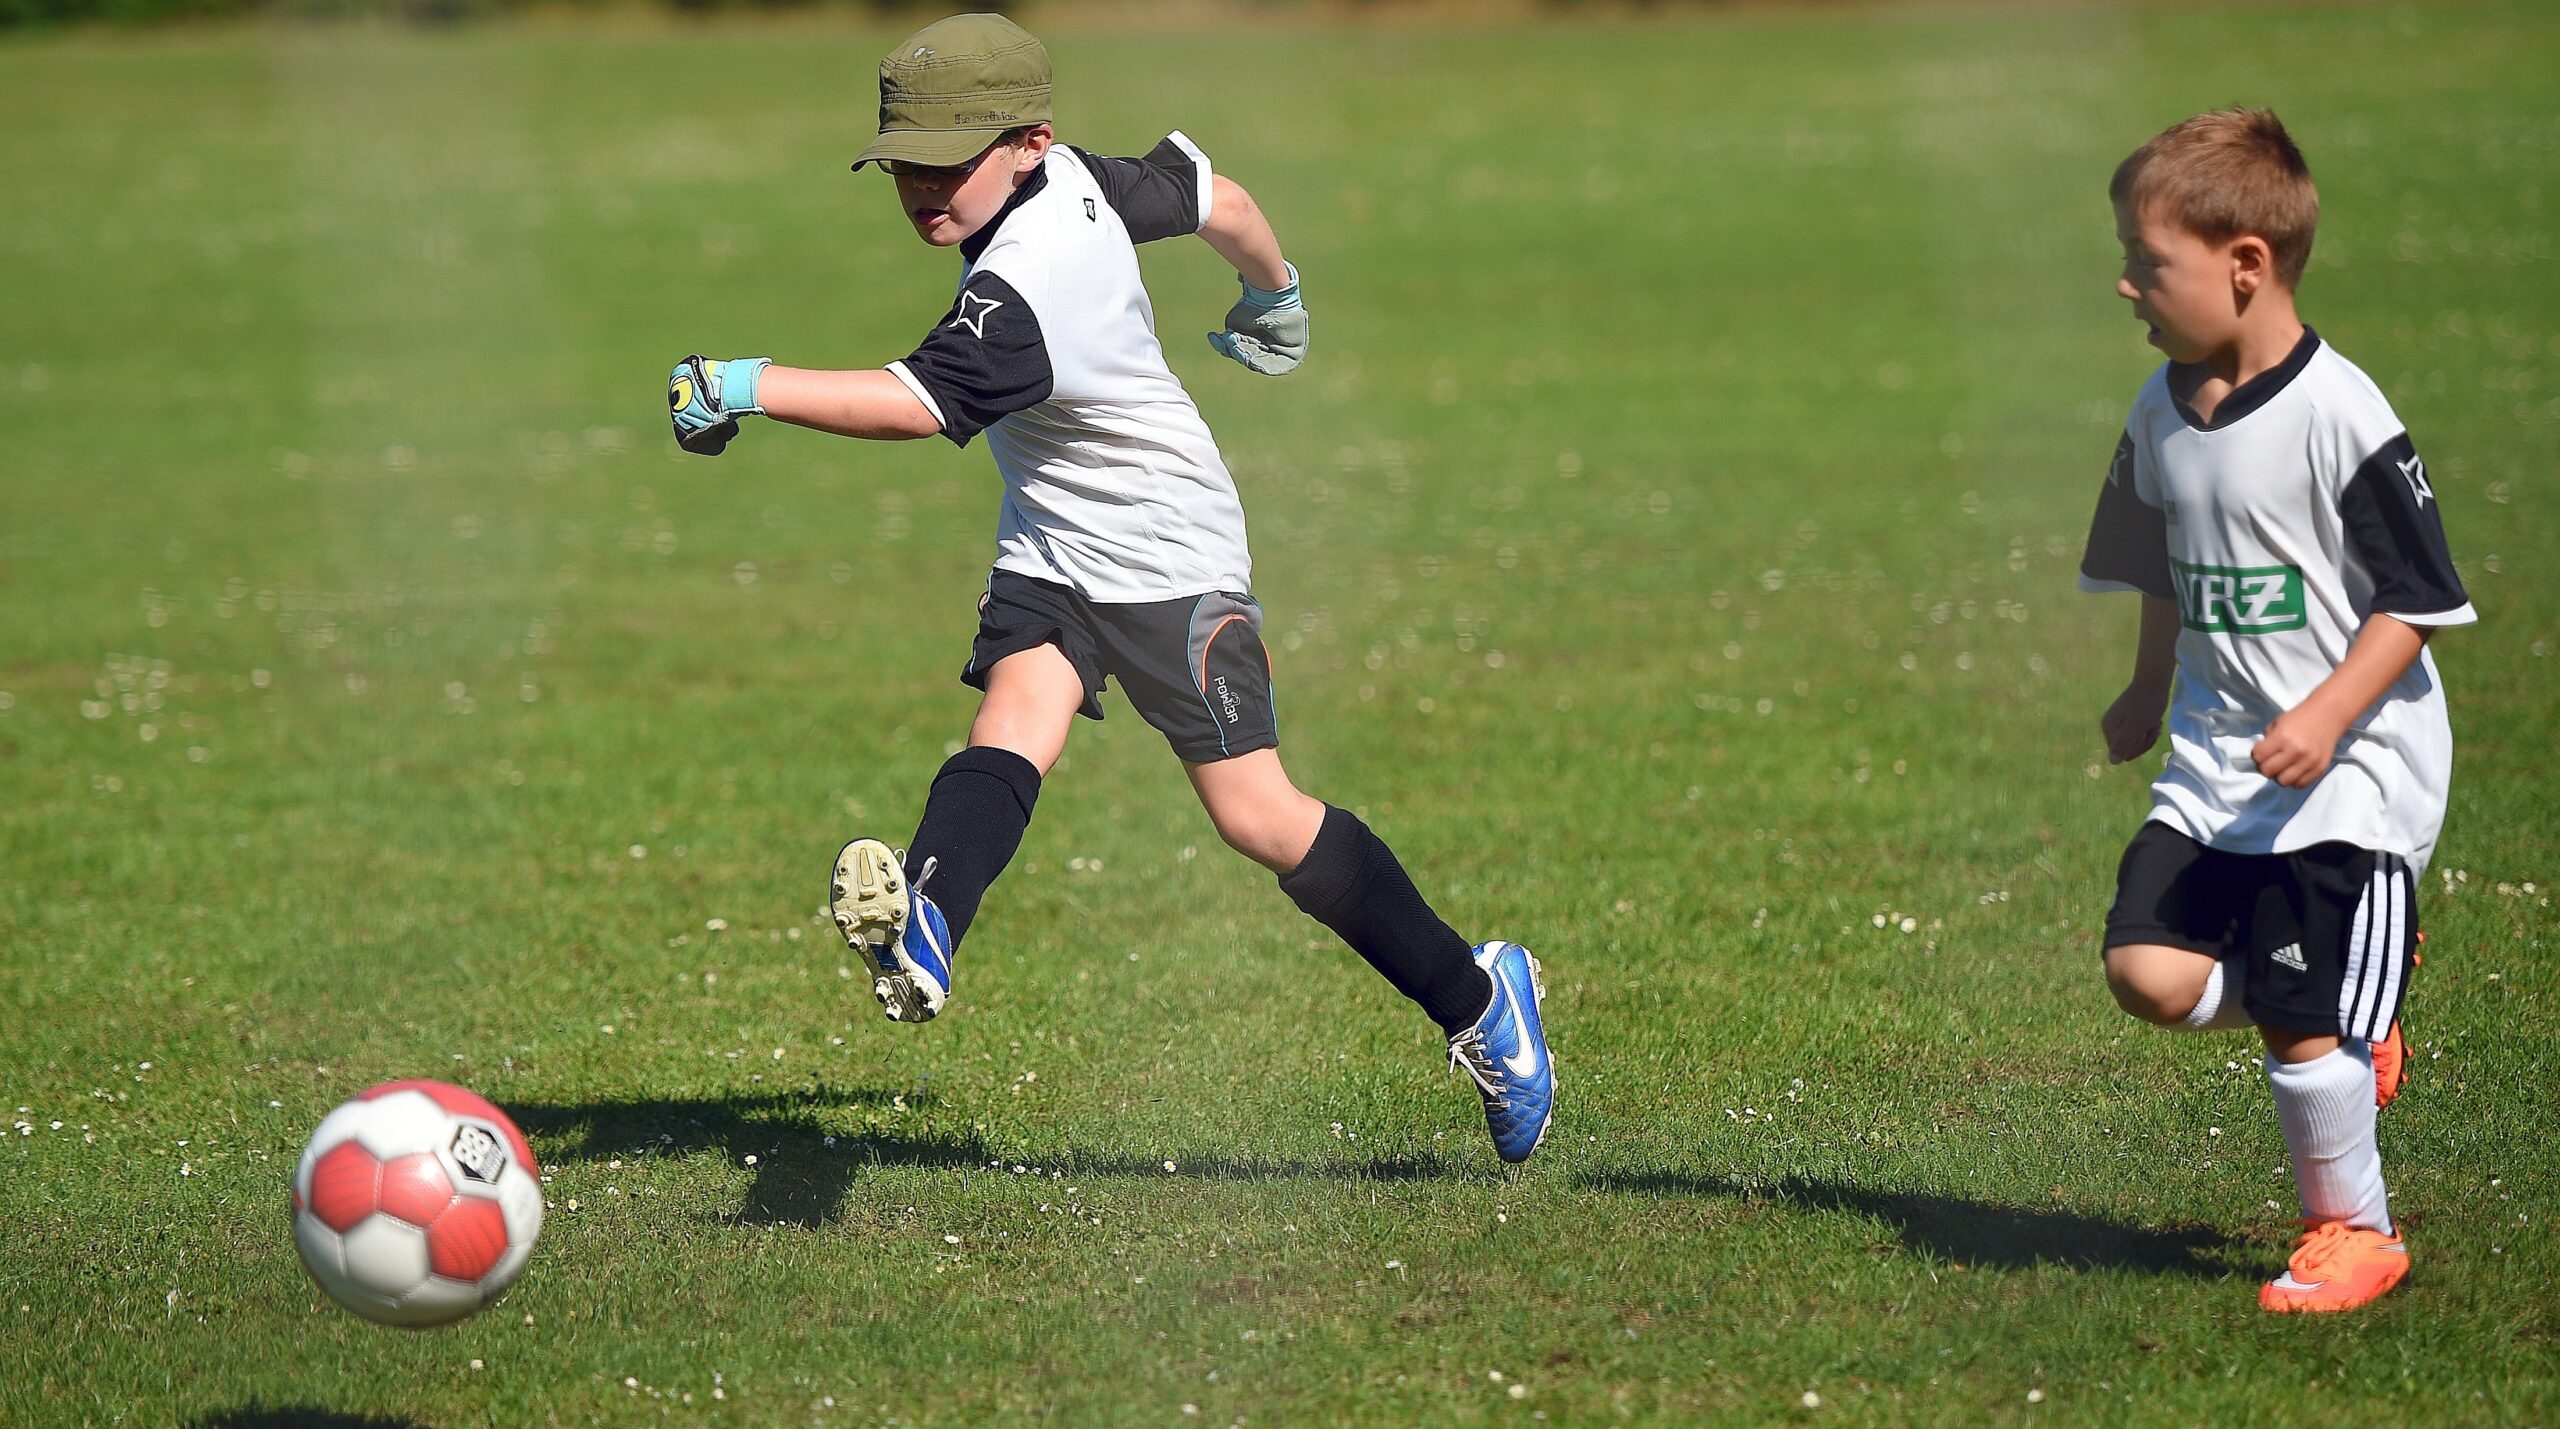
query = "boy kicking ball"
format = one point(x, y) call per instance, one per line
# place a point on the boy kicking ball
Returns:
point(2278, 523)
point(1120, 544)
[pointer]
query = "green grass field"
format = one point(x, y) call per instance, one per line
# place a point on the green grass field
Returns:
point(1668, 547)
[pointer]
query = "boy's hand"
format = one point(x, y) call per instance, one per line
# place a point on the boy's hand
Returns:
point(2296, 749)
point(1266, 329)
point(705, 399)
point(2132, 723)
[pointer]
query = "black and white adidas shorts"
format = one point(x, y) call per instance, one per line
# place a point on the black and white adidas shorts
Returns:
point(2326, 932)
point(1193, 667)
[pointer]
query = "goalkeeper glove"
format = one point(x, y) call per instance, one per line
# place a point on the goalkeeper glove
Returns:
point(705, 399)
point(1266, 329)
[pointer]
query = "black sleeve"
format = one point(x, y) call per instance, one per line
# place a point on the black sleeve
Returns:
point(986, 358)
point(2128, 539)
point(1157, 196)
point(2393, 523)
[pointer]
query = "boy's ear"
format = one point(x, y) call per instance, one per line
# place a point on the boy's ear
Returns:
point(1035, 147)
point(2253, 264)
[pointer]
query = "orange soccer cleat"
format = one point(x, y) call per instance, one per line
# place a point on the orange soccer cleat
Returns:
point(2390, 1067)
point(2335, 1267)
point(2391, 1054)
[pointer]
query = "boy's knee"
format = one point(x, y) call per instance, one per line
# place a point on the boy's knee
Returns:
point(1272, 827)
point(2144, 989)
point(2146, 1005)
point(1252, 832)
point(1232, 824)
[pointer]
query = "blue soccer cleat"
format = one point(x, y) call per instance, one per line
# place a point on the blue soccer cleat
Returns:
point(896, 927)
point(1505, 1053)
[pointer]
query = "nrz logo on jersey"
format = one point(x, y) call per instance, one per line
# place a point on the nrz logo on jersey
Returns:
point(2240, 600)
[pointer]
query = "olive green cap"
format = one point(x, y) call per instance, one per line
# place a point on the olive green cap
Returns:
point(950, 88)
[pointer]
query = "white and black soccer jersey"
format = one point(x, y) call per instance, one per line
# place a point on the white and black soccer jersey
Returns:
point(2301, 510)
point(1113, 485)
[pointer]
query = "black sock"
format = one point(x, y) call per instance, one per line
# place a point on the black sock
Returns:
point(973, 821)
point(1350, 882)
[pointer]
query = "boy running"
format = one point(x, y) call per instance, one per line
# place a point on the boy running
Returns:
point(1120, 543)
point(2278, 523)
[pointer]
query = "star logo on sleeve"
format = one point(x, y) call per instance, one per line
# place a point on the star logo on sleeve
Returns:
point(973, 314)
point(2415, 469)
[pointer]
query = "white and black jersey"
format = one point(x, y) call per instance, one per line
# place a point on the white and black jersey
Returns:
point(2280, 527)
point(1113, 485)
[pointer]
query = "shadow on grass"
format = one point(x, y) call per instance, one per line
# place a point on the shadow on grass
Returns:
point(1964, 1232)
point(804, 1170)
point(296, 1416)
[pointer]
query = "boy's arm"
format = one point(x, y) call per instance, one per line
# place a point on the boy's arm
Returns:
point(706, 397)
point(2296, 749)
point(1242, 236)
point(2132, 724)
point(1267, 328)
point(1173, 190)
point(2394, 526)
point(871, 403)
point(2129, 551)
point(986, 359)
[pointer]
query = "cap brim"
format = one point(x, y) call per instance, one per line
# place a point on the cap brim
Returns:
point(936, 147)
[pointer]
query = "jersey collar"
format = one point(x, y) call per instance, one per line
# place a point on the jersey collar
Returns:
point(2249, 396)
point(976, 243)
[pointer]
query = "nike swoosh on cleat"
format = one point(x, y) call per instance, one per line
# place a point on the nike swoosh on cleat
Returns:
point(1520, 1034)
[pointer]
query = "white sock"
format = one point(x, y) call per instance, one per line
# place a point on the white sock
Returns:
point(2220, 1006)
point(2326, 1107)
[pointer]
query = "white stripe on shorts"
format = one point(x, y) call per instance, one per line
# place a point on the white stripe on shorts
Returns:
point(2351, 982)
point(2393, 963)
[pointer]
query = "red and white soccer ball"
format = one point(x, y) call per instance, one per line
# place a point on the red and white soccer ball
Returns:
point(416, 1204)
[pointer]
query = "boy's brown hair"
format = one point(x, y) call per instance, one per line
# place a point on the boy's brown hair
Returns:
point(2223, 174)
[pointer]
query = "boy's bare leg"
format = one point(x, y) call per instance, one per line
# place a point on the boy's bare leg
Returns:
point(1031, 701)
point(2293, 1047)
point(1257, 810)
point(909, 915)
point(2175, 987)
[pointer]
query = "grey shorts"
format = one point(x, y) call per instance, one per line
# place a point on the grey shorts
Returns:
point(1193, 667)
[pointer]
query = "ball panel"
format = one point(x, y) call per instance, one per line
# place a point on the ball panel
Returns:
point(359, 1301)
point(458, 1101)
point(504, 1273)
point(386, 1256)
point(339, 1125)
point(436, 1302)
point(344, 1183)
point(322, 1253)
point(414, 1189)
point(400, 1125)
point(467, 1240)
point(521, 1197)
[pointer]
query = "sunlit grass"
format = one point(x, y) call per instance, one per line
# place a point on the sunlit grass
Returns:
point(1669, 548)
